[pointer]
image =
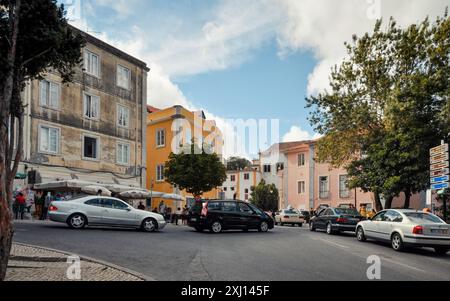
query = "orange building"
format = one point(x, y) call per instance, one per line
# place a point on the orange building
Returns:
point(167, 130)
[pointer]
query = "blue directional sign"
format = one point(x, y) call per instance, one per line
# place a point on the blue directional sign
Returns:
point(440, 186)
point(440, 179)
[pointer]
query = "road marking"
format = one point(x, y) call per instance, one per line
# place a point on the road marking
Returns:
point(403, 264)
point(331, 242)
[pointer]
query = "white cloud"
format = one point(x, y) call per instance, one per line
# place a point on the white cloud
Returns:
point(296, 133)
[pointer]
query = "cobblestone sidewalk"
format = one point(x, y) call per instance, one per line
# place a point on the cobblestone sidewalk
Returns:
point(28, 263)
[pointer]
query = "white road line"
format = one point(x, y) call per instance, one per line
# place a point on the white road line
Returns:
point(331, 242)
point(402, 264)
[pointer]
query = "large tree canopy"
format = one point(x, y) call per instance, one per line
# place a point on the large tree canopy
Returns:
point(389, 103)
point(34, 38)
point(265, 196)
point(236, 163)
point(195, 170)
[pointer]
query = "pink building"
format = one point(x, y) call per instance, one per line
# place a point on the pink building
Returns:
point(307, 184)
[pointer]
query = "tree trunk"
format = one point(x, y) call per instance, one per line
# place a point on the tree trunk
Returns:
point(388, 204)
point(6, 235)
point(378, 205)
point(407, 199)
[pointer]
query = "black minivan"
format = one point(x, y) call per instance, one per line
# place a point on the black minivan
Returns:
point(219, 215)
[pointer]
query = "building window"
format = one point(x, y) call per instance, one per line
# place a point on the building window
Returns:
point(49, 94)
point(160, 173)
point(232, 188)
point(233, 178)
point(123, 153)
point(323, 187)
point(301, 160)
point(161, 138)
point(343, 186)
point(49, 140)
point(246, 190)
point(267, 168)
point(123, 77)
point(90, 148)
point(123, 116)
point(280, 166)
point(246, 176)
point(91, 106)
point(301, 187)
point(91, 63)
point(225, 189)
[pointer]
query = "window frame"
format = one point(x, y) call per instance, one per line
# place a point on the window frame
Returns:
point(301, 162)
point(47, 104)
point(119, 107)
point(118, 144)
point(58, 144)
point(129, 77)
point(341, 196)
point(157, 138)
point(97, 118)
point(158, 178)
point(299, 192)
point(328, 187)
point(99, 66)
point(98, 147)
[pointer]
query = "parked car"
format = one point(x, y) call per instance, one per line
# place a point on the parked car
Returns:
point(219, 215)
point(406, 228)
point(335, 220)
point(290, 217)
point(83, 211)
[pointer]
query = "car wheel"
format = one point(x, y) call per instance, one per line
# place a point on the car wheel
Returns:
point(216, 227)
point(360, 234)
point(397, 242)
point(330, 230)
point(312, 227)
point(77, 221)
point(199, 229)
point(263, 227)
point(441, 250)
point(149, 225)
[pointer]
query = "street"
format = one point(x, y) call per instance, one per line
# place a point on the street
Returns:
point(283, 254)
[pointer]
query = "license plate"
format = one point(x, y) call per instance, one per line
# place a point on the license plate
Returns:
point(193, 219)
point(439, 231)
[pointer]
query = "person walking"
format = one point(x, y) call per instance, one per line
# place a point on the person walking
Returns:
point(29, 201)
point(184, 215)
point(47, 202)
point(178, 214)
point(20, 203)
point(162, 208)
point(141, 206)
point(39, 200)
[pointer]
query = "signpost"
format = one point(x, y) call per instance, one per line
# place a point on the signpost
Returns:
point(440, 175)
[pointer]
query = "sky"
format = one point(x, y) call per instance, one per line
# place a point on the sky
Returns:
point(241, 59)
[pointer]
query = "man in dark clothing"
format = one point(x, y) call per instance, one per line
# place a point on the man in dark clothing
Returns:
point(141, 206)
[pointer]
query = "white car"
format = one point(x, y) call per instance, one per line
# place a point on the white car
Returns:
point(406, 228)
point(289, 216)
point(84, 211)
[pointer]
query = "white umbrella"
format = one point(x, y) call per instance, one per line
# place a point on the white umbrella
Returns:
point(140, 194)
point(94, 189)
point(171, 196)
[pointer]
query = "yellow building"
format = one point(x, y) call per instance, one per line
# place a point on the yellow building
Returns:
point(167, 130)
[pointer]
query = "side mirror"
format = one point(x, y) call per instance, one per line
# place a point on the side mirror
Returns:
point(128, 209)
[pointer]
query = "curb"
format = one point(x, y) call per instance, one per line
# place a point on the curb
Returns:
point(89, 259)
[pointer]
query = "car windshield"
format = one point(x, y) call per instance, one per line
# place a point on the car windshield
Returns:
point(346, 211)
point(419, 217)
point(290, 211)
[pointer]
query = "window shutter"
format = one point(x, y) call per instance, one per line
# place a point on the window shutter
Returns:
point(44, 93)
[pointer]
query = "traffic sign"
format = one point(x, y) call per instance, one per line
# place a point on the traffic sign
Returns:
point(437, 180)
point(440, 172)
point(440, 186)
point(439, 150)
point(439, 158)
point(439, 166)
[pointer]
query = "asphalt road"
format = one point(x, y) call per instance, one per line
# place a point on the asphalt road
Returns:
point(285, 253)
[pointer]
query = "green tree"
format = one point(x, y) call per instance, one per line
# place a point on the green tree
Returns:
point(265, 196)
point(195, 170)
point(388, 105)
point(34, 38)
point(236, 163)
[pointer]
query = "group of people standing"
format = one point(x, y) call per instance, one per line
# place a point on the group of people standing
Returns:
point(171, 216)
point(25, 200)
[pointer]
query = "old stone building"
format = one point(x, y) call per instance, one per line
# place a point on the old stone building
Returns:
point(92, 129)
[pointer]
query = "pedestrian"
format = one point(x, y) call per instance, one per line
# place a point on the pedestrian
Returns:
point(274, 214)
point(47, 202)
point(178, 214)
point(184, 215)
point(99, 192)
point(39, 200)
point(21, 203)
point(363, 210)
point(141, 206)
point(162, 208)
point(29, 201)
point(155, 210)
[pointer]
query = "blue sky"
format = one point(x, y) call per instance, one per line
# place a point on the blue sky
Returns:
point(241, 59)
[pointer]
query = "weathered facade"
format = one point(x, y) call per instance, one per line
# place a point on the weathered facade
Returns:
point(92, 129)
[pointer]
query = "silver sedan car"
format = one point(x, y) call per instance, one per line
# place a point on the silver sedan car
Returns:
point(406, 228)
point(85, 211)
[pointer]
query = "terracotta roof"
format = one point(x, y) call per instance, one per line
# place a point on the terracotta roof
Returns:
point(151, 109)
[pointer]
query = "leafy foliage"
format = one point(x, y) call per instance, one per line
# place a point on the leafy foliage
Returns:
point(195, 170)
point(236, 163)
point(388, 105)
point(265, 196)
